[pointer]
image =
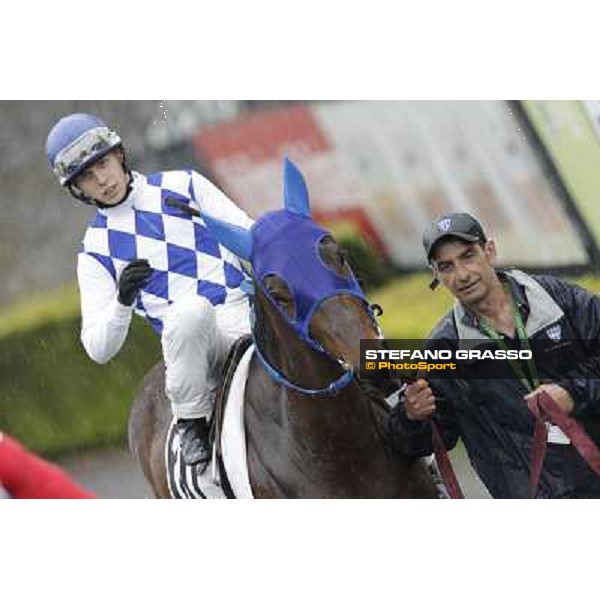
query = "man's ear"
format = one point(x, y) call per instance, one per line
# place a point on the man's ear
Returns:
point(490, 250)
point(435, 282)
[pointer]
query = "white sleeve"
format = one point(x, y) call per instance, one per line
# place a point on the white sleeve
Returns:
point(104, 320)
point(214, 202)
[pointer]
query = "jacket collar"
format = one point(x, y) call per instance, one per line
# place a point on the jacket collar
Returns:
point(538, 308)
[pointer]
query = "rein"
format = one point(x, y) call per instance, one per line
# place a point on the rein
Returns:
point(545, 409)
point(444, 465)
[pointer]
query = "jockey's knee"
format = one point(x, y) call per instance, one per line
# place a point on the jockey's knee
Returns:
point(190, 318)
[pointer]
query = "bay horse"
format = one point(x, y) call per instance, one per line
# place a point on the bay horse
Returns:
point(312, 430)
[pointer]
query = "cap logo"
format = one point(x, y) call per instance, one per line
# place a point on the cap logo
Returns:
point(444, 224)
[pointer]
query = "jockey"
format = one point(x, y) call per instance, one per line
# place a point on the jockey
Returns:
point(141, 255)
point(26, 475)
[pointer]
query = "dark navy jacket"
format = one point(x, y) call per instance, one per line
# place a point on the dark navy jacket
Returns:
point(491, 417)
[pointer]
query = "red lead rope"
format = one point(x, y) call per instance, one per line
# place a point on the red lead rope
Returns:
point(545, 409)
point(444, 465)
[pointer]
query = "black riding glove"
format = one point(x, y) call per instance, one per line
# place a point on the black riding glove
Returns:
point(132, 278)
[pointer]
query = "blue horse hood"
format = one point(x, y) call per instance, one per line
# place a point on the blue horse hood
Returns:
point(286, 244)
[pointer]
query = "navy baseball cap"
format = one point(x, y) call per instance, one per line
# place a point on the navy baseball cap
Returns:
point(459, 225)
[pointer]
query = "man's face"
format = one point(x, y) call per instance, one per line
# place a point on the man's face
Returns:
point(105, 180)
point(465, 269)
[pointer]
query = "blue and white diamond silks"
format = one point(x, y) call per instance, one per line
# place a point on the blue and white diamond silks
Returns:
point(185, 257)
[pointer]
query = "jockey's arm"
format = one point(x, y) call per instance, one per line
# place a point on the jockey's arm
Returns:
point(104, 320)
point(214, 202)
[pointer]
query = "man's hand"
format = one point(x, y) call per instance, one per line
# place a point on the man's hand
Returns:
point(132, 278)
point(420, 401)
point(560, 396)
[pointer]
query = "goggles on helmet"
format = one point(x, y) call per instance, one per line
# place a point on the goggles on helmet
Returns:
point(86, 149)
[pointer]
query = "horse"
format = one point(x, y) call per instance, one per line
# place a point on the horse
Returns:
point(313, 429)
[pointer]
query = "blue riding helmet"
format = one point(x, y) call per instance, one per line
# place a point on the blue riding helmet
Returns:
point(76, 142)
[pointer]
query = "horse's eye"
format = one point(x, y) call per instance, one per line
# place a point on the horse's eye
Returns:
point(281, 294)
point(286, 304)
point(280, 298)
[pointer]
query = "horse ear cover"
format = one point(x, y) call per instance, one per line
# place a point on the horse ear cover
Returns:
point(295, 192)
point(233, 237)
point(239, 240)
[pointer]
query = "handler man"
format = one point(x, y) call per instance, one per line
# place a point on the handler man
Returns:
point(497, 309)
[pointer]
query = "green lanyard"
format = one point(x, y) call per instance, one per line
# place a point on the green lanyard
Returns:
point(533, 381)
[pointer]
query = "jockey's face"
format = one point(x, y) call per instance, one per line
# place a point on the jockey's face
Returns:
point(466, 269)
point(105, 180)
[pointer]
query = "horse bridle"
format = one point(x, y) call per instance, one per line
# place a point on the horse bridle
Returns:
point(335, 386)
point(331, 389)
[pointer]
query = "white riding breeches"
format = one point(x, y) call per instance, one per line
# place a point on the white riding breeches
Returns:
point(195, 340)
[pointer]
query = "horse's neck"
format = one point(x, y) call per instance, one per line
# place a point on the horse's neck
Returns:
point(312, 445)
point(326, 424)
point(315, 419)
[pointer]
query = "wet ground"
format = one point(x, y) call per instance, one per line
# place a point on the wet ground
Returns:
point(110, 473)
point(469, 482)
point(113, 473)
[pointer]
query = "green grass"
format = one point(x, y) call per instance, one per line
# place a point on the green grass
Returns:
point(52, 396)
point(410, 308)
point(39, 310)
